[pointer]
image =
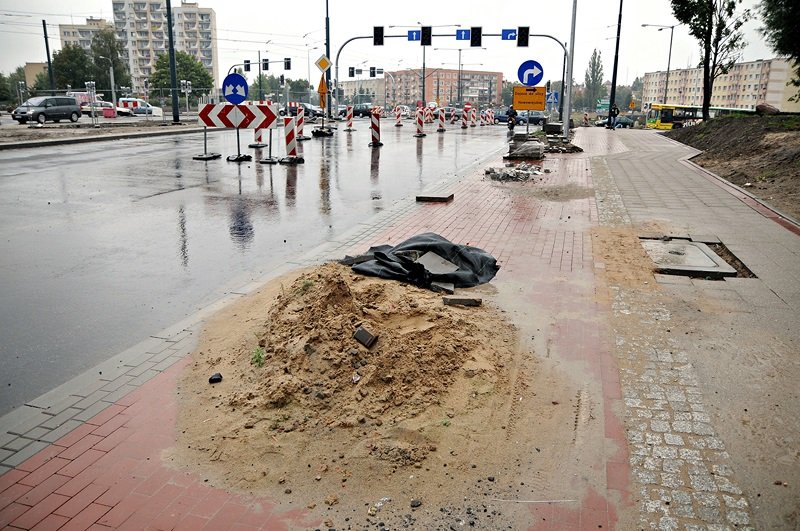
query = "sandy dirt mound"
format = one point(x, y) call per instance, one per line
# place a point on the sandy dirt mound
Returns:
point(307, 415)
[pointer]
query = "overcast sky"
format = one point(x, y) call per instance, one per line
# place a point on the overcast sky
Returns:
point(297, 29)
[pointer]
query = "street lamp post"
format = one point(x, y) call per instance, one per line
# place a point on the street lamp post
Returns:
point(111, 77)
point(460, 91)
point(669, 57)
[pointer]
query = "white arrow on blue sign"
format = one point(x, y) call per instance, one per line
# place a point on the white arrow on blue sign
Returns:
point(463, 34)
point(530, 73)
point(508, 35)
point(234, 88)
point(415, 35)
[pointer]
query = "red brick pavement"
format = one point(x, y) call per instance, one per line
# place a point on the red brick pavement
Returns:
point(108, 474)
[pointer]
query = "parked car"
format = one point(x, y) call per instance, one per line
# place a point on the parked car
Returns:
point(449, 110)
point(43, 108)
point(501, 116)
point(622, 122)
point(534, 117)
point(86, 108)
point(359, 110)
point(139, 106)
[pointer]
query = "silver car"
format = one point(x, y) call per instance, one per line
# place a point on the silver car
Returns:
point(47, 108)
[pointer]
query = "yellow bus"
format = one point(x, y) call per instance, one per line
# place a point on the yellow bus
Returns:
point(661, 116)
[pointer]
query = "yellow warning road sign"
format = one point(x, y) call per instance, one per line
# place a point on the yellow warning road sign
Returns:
point(529, 98)
point(632, 105)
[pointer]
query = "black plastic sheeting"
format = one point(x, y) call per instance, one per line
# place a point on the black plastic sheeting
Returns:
point(475, 266)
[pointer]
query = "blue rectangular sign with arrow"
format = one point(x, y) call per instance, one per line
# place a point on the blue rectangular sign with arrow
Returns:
point(508, 35)
point(414, 35)
point(463, 35)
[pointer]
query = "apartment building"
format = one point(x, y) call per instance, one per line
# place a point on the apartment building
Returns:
point(745, 86)
point(82, 34)
point(441, 85)
point(141, 26)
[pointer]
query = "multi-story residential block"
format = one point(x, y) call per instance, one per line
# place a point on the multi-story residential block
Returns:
point(743, 87)
point(444, 86)
point(142, 28)
point(82, 34)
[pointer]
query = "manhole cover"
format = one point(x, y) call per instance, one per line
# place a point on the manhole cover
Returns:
point(682, 257)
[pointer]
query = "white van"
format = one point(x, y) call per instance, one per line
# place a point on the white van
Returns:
point(139, 106)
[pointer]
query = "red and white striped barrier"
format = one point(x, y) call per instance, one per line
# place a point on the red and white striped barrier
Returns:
point(490, 116)
point(419, 116)
point(349, 118)
point(238, 116)
point(483, 118)
point(464, 117)
point(375, 127)
point(473, 117)
point(453, 116)
point(259, 136)
point(291, 142)
point(398, 116)
point(441, 128)
point(301, 118)
point(428, 115)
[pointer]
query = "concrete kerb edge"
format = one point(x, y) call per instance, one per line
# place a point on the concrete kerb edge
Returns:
point(28, 414)
point(110, 137)
point(687, 161)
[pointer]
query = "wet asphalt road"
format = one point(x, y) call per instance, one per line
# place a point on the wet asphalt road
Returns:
point(106, 243)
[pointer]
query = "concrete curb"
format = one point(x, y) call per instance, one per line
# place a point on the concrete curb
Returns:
point(98, 138)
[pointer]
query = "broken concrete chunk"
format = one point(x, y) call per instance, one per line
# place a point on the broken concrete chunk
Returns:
point(436, 264)
point(364, 337)
point(462, 301)
point(443, 287)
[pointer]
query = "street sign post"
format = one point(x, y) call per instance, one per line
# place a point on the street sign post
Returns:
point(530, 73)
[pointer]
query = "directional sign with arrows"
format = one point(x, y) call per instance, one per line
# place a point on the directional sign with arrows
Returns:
point(530, 73)
point(238, 116)
point(234, 88)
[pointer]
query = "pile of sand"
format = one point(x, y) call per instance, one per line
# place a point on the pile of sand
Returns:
point(304, 410)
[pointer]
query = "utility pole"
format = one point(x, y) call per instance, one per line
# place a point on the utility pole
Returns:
point(616, 61)
point(173, 76)
point(49, 64)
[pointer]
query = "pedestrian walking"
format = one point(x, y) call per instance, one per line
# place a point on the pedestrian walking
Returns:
point(613, 113)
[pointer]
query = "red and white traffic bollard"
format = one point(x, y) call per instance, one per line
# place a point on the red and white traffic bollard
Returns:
point(398, 116)
point(464, 116)
point(453, 116)
point(483, 118)
point(349, 117)
point(441, 128)
point(291, 143)
point(375, 128)
point(420, 123)
point(428, 115)
point(473, 117)
point(301, 118)
point(490, 115)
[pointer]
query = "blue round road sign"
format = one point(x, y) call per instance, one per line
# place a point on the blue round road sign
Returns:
point(530, 73)
point(234, 88)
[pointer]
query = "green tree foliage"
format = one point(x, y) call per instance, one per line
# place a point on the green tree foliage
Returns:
point(716, 24)
point(781, 29)
point(8, 90)
point(593, 81)
point(105, 44)
point(72, 66)
point(186, 67)
point(42, 81)
point(5, 90)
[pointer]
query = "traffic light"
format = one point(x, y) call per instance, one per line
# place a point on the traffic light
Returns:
point(283, 81)
point(372, 71)
point(287, 64)
point(425, 37)
point(351, 72)
point(547, 87)
point(475, 34)
point(523, 32)
point(247, 65)
point(265, 64)
point(377, 36)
